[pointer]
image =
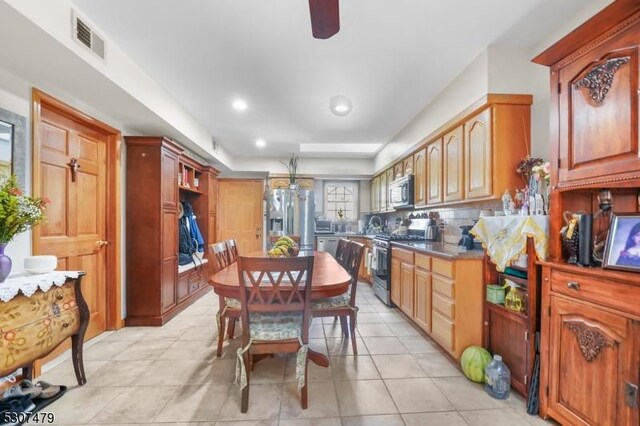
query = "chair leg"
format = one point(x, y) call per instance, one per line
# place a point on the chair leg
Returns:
point(244, 405)
point(352, 326)
point(345, 327)
point(223, 320)
point(232, 327)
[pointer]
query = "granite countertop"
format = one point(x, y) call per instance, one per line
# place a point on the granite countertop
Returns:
point(449, 251)
point(346, 234)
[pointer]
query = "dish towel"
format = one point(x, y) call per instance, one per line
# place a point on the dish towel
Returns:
point(505, 237)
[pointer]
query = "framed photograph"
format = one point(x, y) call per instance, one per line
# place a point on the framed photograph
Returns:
point(623, 245)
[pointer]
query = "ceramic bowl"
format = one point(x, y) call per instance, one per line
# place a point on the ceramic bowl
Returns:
point(40, 264)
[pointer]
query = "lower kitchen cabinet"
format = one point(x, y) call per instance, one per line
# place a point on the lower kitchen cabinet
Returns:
point(443, 297)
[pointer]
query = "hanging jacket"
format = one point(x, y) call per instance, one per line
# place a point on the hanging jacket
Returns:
point(193, 225)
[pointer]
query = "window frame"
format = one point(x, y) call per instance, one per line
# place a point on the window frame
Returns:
point(356, 198)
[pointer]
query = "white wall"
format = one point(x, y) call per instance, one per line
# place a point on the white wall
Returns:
point(320, 167)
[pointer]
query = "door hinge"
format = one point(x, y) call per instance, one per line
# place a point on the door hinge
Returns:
point(549, 311)
point(546, 391)
point(559, 162)
point(526, 378)
point(526, 336)
point(559, 88)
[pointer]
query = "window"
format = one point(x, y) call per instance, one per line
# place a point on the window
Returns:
point(341, 197)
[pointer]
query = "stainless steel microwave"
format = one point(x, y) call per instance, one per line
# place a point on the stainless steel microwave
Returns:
point(401, 193)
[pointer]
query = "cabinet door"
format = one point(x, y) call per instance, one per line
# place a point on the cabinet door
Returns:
point(398, 172)
point(591, 349)
point(407, 166)
point(479, 161)
point(395, 281)
point(279, 183)
point(389, 173)
point(420, 180)
point(599, 115)
point(422, 284)
point(182, 289)
point(375, 194)
point(305, 183)
point(434, 172)
point(169, 258)
point(169, 179)
point(506, 336)
point(406, 288)
point(383, 192)
point(453, 163)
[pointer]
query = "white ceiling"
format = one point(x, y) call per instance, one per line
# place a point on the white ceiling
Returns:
point(391, 57)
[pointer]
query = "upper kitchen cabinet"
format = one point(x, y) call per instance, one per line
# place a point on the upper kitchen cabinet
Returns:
point(398, 170)
point(407, 166)
point(375, 194)
point(434, 172)
point(383, 191)
point(479, 156)
point(389, 174)
point(420, 181)
point(453, 162)
point(283, 183)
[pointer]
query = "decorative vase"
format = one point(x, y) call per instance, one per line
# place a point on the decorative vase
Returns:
point(5, 263)
point(293, 186)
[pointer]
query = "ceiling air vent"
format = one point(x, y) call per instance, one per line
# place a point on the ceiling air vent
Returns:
point(83, 34)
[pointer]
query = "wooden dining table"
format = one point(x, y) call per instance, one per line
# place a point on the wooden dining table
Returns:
point(329, 279)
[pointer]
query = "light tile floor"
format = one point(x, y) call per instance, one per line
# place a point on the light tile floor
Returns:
point(170, 375)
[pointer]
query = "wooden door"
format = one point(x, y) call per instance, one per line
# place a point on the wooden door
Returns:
point(398, 172)
point(478, 152)
point(384, 202)
point(395, 281)
point(75, 229)
point(599, 121)
point(434, 172)
point(407, 166)
point(389, 174)
point(422, 284)
point(453, 164)
point(169, 274)
point(420, 180)
point(591, 356)
point(240, 213)
point(406, 288)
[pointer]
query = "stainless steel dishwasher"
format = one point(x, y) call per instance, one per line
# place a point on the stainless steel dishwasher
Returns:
point(328, 244)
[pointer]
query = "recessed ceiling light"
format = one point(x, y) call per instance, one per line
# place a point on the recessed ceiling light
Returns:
point(340, 105)
point(239, 105)
point(261, 143)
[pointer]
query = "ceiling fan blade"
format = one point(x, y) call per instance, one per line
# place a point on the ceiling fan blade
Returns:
point(325, 18)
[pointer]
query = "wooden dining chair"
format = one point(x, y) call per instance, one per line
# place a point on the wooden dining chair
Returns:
point(229, 307)
point(341, 252)
point(274, 299)
point(233, 250)
point(344, 306)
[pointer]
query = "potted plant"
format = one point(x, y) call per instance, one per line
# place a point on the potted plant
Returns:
point(292, 168)
point(18, 213)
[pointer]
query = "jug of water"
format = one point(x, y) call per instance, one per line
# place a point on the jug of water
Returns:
point(497, 378)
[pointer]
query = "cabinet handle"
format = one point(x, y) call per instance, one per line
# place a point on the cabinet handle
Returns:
point(631, 395)
point(59, 296)
point(574, 285)
point(65, 324)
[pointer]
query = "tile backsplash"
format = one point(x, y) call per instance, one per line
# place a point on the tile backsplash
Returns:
point(451, 217)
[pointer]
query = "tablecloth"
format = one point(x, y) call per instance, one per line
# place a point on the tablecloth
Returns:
point(28, 283)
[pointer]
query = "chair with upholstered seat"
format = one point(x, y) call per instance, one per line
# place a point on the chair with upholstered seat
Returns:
point(274, 298)
point(344, 306)
point(229, 307)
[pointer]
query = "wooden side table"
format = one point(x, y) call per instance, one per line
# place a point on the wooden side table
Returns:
point(32, 326)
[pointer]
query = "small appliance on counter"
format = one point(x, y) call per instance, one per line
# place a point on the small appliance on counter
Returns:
point(467, 239)
point(432, 232)
point(323, 227)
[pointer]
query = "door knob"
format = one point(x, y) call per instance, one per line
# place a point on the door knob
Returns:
point(102, 243)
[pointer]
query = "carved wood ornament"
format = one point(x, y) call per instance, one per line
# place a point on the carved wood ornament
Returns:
point(599, 80)
point(590, 340)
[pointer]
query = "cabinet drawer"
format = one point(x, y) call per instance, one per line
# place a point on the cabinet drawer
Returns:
point(594, 289)
point(442, 267)
point(404, 255)
point(443, 286)
point(442, 330)
point(444, 305)
point(423, 261)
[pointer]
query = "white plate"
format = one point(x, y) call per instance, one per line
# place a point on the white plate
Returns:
point(39, 271)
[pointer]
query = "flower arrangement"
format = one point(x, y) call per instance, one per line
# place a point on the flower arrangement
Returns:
point(526, 166)
point(18, 212)
point(292, 168)
point(542, 172)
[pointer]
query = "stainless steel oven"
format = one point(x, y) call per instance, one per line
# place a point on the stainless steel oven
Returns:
point(381, 264)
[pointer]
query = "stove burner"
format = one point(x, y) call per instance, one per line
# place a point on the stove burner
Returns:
point(396, 237)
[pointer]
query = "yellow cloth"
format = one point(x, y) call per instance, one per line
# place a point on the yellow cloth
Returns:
point(505, 237)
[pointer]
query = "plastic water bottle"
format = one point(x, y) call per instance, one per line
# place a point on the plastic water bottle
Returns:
point(498, 378)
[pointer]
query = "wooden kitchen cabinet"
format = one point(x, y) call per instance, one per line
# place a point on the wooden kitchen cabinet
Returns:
point(284, 182)
point(478, 147)
point(398, 170)
point(406, 288)
point(389, 174)
point(453, 165)
point(434, 172)
point(375, 194)
point(383, 191)
point(420, 177)
point(422, 291)
point(395, 281)
point(407, 166)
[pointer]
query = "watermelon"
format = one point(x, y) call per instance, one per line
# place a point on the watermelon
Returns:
point(473, 361)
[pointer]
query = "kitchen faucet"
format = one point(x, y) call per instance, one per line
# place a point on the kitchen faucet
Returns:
point(370, 224)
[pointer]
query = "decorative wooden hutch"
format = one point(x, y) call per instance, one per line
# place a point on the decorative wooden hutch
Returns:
point(590, 350)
